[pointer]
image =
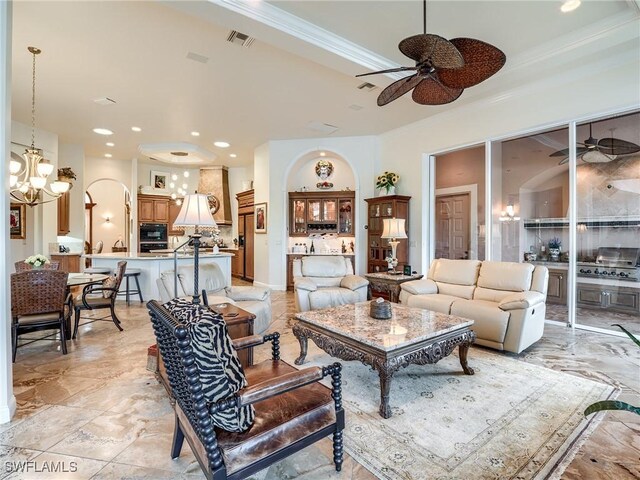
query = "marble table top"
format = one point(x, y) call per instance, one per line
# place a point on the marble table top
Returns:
point(392, 278)
point(406, 326)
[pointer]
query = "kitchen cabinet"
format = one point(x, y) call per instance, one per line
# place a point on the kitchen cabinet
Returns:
point(63, 214)
point(379, 208)
point(620, 299)
point(557, 287)
point(153, 209)
point(69, 262)
point(246, 227)
point(321, 212)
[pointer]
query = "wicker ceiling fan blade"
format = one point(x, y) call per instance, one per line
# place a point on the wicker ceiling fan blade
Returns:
point(565, 152)
point(481, 61)
point(397, 89)
point(439, 51)
point(390, 70)
point(431, 92)
point(615, 146)
point(563, 161)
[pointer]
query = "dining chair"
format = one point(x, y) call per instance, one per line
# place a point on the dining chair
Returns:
point(100, 296)
point(25, 267)
point(39, 301)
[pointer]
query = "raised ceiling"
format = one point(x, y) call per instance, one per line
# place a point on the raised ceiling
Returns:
point(298, 71)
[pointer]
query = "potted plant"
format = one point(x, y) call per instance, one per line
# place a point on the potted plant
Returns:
point(388, 181)
point(555, 244)
point(37, 260)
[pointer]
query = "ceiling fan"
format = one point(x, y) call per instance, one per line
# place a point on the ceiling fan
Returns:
point(444, 68)
point(598, 151)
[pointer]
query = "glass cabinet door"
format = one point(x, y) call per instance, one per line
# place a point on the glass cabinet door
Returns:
point(314, 214)
point(346, 217)
point(329, 210)
point(299, 216)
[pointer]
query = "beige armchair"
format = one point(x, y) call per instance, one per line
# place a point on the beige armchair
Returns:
point(326, 281)
point(211, 279)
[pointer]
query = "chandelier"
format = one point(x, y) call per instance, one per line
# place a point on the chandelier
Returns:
point(28, 181)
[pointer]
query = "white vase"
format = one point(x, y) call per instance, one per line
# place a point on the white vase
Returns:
point(383, 192)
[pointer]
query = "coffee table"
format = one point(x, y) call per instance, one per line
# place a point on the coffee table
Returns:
point(412, 335)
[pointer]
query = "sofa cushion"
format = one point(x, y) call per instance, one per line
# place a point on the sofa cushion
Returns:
point(210, 278)
point(262, 311)
point(458, 272)
point(331, 297)
point(506, 276)
point(436, 302)
point(324, 266)
point(490, 295)
point(417, 287)
point(490, 323)
point(218, 366)
point(521, 300)
point(462, 291)
point(323, 282)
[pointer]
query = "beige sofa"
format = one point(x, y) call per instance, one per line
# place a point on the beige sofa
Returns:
point(211, 279)
point(505, 299)
point(326, 281)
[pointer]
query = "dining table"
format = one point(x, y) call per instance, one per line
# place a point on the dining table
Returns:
point(77, 280)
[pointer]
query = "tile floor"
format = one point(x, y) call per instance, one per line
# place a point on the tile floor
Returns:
point(100, 414)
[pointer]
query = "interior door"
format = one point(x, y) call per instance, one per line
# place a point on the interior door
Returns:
point(249, 227)
point(452, 226)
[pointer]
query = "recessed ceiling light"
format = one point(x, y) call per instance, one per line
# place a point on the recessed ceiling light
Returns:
point(222, 144)
point(108, 155)
point(110, 144)
point(570, 5)
point(322, 154)
point(136, 129)
point(102, 131)
point(233, 155)
point(195, 134)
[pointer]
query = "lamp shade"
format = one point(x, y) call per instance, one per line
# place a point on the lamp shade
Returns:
point(393, 228)
point(195, 212)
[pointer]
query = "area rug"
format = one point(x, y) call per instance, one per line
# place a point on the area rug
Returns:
point(511, 420)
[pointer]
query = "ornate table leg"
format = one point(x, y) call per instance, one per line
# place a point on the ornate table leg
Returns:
point(464, 349)
point(385, 387)
point(302, 338)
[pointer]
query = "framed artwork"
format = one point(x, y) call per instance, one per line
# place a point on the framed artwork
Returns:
point(261, 217)
point(17, 221)
point(159, 180)
point(407, 270)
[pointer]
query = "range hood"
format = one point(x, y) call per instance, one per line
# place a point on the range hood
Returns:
point(214, 181)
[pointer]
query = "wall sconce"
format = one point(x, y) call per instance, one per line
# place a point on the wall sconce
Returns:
point(509, 214)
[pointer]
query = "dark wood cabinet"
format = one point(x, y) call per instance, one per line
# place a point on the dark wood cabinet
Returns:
point(246, 231)
point(154, 208)
point(557, 287)
point(620, 299)
point(321, 212)
point(63, 214)
point(379, 208)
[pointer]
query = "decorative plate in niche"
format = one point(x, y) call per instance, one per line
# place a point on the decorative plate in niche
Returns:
point(324, 169)
point(214, 203)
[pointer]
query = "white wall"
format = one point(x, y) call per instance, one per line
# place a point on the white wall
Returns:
point(303, 174)
point(600, 91)
point(273, 164)
point(97, 168)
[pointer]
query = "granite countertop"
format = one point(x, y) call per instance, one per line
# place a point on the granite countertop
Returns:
point(321, 254)
point(152, 256)
point(406, 325)
point(66, 253)
point(391, 277)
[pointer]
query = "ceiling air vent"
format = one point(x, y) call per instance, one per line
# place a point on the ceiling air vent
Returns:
point(196, 57)
point(322, 127)
point(179, 154)
point(366, 86)
point(104, 101)
point(239, 38)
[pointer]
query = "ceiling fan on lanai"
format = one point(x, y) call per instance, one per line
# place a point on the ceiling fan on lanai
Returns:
point(598, 151)
point(444, 68)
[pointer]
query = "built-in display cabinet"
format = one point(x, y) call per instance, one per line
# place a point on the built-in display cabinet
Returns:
point(379, 208)
point(321, 212)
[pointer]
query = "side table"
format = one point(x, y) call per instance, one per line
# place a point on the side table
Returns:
point(388, 284)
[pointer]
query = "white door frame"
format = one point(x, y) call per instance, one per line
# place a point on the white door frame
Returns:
point(472, 190)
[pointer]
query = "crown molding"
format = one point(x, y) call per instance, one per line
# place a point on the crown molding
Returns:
point(301, 29)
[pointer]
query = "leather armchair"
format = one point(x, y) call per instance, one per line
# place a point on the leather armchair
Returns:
point(292, 409)
point(326, 281)
point(256, 300)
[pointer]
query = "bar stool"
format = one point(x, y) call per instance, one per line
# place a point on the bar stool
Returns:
point(135, 273)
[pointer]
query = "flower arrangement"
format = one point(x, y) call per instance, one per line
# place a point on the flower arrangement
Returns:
point(555, 243)
point(37, 260)
point(387, 180)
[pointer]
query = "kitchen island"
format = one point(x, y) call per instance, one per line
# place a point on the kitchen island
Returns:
point(152, 264)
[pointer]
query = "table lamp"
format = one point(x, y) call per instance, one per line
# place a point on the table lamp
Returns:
point(195, 212)
point(393, 228)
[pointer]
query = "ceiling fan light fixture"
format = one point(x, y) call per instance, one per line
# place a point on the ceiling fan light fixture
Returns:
point(569, 5)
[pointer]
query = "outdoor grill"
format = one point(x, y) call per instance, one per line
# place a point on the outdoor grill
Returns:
point(613, 262)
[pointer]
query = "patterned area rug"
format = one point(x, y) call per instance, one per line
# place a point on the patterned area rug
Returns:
point(511, 420)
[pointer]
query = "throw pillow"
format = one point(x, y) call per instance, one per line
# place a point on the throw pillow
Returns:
point(218, 365)
point(109, 282)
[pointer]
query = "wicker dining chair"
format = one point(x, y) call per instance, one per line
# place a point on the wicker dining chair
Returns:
point(25, 267)
point(99, 296)
point(39, 301)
